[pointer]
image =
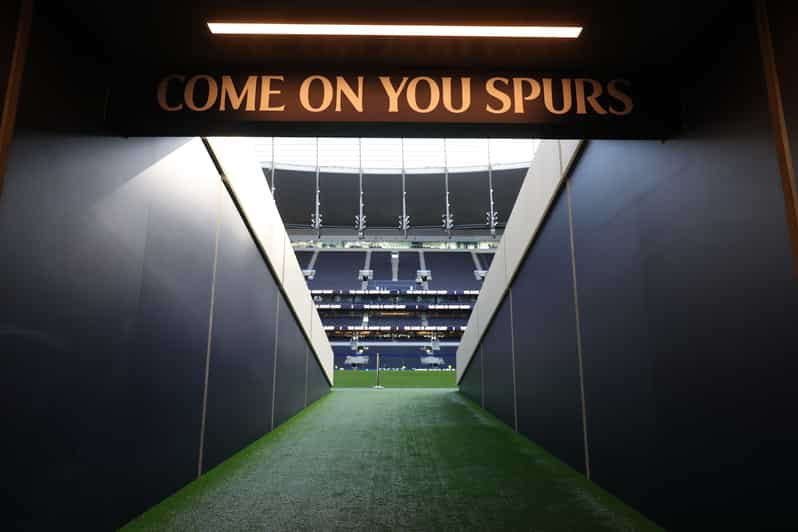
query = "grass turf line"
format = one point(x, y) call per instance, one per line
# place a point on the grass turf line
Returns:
point(395, 379)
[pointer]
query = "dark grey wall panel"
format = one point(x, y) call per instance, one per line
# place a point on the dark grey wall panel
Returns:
point(289, 396)
point(688, 303)
point(546, 358)
point(340, 196)
point(383, 199)
point(239, 401)
point(105, 307)
point(171, 333)
point(426, 199)
point(469, 194)
point(471, 383)
point(106, 259)
point(104, 328)
point(619, 350)
point(497, 365)
point(105, 276)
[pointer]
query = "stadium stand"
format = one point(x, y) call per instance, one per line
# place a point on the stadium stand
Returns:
point(449, 321)
point(406, 321)
point(338, 270)
point(394, 320)
point(342, 321)
point(393, 356)
point(451, 271)
point(391, 285)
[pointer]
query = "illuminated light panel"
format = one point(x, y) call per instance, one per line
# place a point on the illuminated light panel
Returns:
point(376, 30)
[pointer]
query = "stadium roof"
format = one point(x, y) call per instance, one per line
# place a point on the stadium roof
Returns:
point(364, 177)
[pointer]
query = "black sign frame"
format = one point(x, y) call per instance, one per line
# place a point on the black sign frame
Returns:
point(412, 103)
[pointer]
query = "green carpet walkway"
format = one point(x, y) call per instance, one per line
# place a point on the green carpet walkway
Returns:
point(392, 459)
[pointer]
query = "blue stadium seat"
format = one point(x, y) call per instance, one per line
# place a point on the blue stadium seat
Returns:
point(408, 265)
point(337, 270)
point(451, 271)
point(303, 257)
point(381, 265)
point(485, 259)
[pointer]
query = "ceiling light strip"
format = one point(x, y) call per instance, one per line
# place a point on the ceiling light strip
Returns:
point(376, 30)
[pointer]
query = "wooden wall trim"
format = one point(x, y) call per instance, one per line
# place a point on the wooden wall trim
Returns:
point(15, 71)
point(780, 132)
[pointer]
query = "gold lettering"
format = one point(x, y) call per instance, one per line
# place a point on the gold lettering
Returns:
point(327, 94)
point(504, 99)
point(518, 92)
point(213, 92)
point(434, 94)
point(229, 91)
point(548, 96)
point(266, 93)
point(465, 95)
point(343, 88)
point(595, 91)
point(163, 86)
point(625, 99)
point(393, 93)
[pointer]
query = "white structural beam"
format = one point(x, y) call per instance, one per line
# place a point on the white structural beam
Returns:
point(550, 166)
point(243, 176)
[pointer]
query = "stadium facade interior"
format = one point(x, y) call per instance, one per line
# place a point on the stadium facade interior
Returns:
point(568, 231)
point(368, 221)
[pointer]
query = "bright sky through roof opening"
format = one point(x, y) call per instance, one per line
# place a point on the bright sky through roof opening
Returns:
point(384, 155)
point(393, 30)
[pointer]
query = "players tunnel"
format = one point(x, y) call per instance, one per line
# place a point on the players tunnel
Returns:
point(573, 229)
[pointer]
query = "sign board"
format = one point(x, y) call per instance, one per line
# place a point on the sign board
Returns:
point(398, 103)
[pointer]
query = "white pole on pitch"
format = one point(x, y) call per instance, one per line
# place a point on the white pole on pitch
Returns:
point(378, 372)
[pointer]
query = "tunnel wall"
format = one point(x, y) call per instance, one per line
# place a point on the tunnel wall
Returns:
point(105, 327)
point(654, 330)
point(129, 282)
point(471, 383)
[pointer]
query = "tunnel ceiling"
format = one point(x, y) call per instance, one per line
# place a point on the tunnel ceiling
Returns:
point(628, 36)
point(623, 37)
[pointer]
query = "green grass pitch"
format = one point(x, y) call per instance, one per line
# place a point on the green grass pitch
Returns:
point(394, 459)
point(395, 379)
